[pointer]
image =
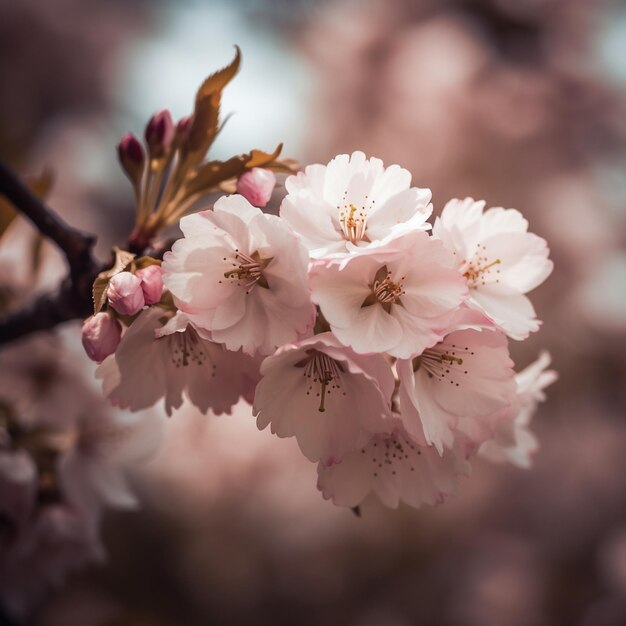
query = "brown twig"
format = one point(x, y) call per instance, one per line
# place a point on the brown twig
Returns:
point(75, 244)
point(46, 312)
point(73, 298)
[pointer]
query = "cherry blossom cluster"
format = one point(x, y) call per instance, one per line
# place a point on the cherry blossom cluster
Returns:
point(377, 341)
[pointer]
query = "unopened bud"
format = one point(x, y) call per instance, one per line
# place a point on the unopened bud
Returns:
point(101, 335)
point(159, 133)
point(125, 293)
point(256, 186)
point(131, 155)
point(151, 283)
point(182, 128)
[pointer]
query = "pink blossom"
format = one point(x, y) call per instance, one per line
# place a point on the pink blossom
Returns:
point(456, 387)
point(62, 461)
point(395, 468)
point(323, 394)
point(101, 334)
point(352, 202)
point(44, 382)
point(531, 383)
point(151, 283)
point(125, 294)
point(256, 186)
point(500, 260)
point(147, 367)
point(394, 299)
point(241, 276)
point(93, 471)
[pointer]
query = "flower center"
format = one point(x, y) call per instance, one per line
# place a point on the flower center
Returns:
point(384, 290)
point(353, 220)
point(322, 371)
point(443, 362)
point(479, 268)
point(247, 271)
point(187, 348)
point(392, 453)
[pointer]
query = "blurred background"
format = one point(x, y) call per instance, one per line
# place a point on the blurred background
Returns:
point(519, 102)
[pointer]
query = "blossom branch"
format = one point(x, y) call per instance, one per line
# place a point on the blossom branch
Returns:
point(72, 299)
point(75, 244)
point(47, 311)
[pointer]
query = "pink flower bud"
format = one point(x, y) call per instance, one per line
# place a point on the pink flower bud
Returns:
point(101, 336)
point(256, 186)
point(131, 155)
point(182, 128)
point(125, 293)
point(159, 133)
point(151, 283)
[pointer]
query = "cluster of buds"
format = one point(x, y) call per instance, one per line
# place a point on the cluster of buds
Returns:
point(169, 173)
point(128, 293)
point(377, 340)
point(127, 290)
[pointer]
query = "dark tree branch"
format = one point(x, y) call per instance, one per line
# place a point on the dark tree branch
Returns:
point(74, 244)
point(47, 311)
point(72, 300)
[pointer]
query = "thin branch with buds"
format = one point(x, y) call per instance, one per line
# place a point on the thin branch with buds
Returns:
point(176, 152)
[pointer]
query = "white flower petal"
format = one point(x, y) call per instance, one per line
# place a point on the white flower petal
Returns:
point(395, 468)
point(465, 378)
point(352, 201)
point(512, 312)
point(223, 287)
point(324, 395)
